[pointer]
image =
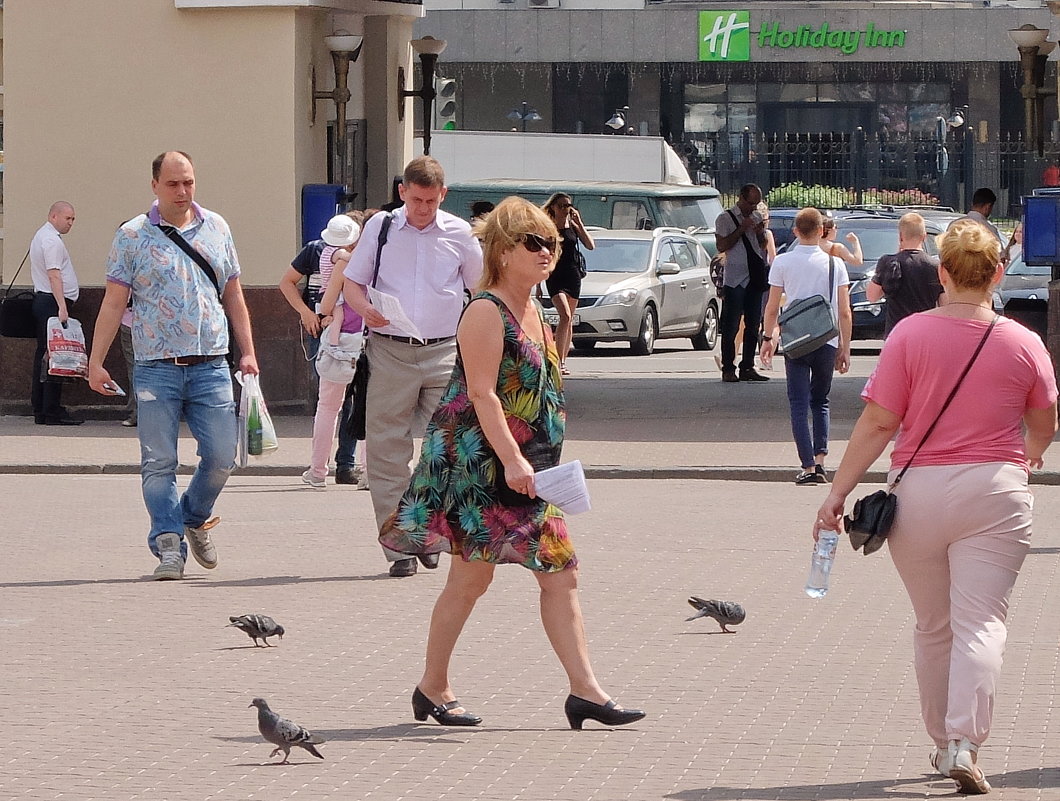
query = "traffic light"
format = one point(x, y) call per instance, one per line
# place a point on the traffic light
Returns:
point(444, 104)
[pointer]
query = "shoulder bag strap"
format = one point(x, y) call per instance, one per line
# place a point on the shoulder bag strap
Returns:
point(945, 405)
point(384, 232)
point(833, 290)
point(20, 266)
point(193, 254)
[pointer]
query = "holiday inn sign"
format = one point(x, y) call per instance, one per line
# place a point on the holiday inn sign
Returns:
point(726, 36)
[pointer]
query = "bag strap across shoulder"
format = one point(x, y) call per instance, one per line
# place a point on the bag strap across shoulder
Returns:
point(192, 254)
point(946, 405)
point(384, 232)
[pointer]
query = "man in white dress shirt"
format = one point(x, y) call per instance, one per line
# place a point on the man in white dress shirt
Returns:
point(429, 258)
point(55, 291)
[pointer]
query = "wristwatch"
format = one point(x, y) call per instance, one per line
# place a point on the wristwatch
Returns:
point(767, 339)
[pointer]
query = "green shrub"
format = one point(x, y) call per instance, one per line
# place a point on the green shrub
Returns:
point(798, 195)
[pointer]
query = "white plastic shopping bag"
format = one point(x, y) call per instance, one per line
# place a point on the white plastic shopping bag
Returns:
point(257, 434)
point(67, 356)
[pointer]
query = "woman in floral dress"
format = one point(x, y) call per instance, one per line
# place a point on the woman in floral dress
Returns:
point(472, 493)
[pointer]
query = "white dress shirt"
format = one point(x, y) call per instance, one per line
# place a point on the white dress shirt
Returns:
point(427, 270)
point(47, 251)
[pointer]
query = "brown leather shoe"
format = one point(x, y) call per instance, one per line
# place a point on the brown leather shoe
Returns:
point(729, 376)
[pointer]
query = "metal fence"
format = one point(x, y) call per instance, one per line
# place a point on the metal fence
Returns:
point(832, 170)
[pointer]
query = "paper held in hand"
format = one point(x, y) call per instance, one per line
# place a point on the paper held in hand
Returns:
point(390, 307)
point(564, 486)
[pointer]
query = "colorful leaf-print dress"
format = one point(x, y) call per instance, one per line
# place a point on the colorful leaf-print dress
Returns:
point(454, 502)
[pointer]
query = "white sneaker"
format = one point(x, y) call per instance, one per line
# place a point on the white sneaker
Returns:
point(200, 545)
point(313, 481)
point(970, 779)
point(171, 563)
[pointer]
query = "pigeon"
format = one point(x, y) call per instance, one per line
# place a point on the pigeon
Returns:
point(283, 733)
point(725, 612)
point(257, 626)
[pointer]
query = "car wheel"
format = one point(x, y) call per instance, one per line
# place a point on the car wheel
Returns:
point(644, 344)
point(586, 345)
point(707, 336)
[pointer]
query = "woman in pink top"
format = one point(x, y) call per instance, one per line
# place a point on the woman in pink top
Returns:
point(964, 509)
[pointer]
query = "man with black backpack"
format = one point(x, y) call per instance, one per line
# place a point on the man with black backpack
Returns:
point(178, 263)
point(908, 279)
point(739, 233)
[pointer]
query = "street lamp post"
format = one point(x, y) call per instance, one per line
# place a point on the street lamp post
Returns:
point(344, 49)
point(428, 49)
point(524, 115)
point(1034, 51)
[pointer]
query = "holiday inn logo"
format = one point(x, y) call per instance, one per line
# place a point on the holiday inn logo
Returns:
point(726, 36)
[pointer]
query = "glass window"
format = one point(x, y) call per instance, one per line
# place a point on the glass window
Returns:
point(689, 212)
point(857, 91)
point(629, 215)
point(683, 255)
point(705, 93)
point(704, 117)
point(743, 115)
point(742, 92)
point(922, 116)
point(618, 256)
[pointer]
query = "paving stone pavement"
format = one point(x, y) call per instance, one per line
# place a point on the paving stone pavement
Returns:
point(115, 687)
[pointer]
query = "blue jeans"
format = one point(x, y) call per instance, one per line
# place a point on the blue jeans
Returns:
point(346, 453)
point(740, 303)
point(202, 395)
point(809, 382)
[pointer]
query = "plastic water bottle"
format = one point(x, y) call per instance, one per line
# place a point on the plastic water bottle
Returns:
point(821, 564)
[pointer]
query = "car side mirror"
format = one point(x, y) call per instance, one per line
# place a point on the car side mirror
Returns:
point(669, 268)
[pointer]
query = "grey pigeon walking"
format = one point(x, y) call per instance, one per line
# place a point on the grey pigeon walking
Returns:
point(257, 626)
point(725, 612)
point(283, 733)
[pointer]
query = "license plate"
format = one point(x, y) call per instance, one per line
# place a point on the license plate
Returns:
point(552, 317)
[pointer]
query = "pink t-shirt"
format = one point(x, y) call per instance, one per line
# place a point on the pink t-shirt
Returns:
point(922, 360)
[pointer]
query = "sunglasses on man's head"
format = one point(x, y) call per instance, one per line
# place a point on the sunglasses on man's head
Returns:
point(535, 243)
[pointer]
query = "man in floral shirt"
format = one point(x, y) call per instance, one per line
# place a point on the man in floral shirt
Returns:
point(180, 339)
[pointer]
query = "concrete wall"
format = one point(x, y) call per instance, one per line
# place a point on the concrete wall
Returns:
point(87, 113)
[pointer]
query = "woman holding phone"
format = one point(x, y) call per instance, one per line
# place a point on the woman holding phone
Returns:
point(565, 283)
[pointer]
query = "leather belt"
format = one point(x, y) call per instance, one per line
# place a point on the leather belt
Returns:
point(412, 340)
point(190, 361)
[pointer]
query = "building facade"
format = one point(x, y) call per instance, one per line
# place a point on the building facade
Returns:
point(711, 76)
point(94, 89)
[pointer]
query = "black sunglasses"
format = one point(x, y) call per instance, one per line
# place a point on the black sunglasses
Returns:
point(535, 243)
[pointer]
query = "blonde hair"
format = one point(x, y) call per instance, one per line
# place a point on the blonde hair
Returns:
point(911, 226)
point(969, 253)
point(502, 230)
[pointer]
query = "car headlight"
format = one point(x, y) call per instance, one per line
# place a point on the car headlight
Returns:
point(623, 297)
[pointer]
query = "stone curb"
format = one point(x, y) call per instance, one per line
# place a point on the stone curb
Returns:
point(692, 473)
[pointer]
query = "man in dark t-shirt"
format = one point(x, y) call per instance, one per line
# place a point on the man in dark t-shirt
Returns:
point(909, 279)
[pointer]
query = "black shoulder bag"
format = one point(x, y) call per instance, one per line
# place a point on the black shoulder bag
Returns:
point(870, 521)
point(16, 311)
point(207, 268)
point(357, 424)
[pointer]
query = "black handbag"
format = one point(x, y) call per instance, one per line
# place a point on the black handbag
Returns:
point(357, 424)
point(16, 310)
point(578, 259)
point(872, 516)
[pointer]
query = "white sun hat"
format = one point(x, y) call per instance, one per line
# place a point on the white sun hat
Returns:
point(341, 232)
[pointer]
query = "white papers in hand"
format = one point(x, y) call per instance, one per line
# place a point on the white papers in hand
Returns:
point(564, 486)
point(390, 307)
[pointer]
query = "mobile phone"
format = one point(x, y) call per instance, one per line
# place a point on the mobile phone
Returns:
point(113, 387)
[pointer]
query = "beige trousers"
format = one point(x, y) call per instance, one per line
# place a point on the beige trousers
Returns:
point(405, 385)
point(959, 540)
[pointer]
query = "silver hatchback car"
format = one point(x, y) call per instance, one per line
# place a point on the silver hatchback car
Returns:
point(642, 286)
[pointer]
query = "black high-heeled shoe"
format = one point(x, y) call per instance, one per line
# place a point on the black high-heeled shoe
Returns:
point(578, 710)
point(422, 706)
